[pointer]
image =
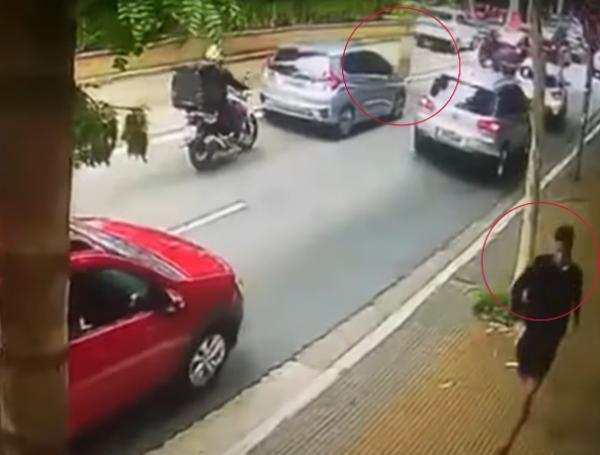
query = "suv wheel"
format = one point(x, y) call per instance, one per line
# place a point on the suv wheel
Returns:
point(503, 163)
point(345, 123)
point(420, 143)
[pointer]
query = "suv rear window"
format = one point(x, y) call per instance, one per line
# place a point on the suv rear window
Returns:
point(471, 98)
point(303, 64)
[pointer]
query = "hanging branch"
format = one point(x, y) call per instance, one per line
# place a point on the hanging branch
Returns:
point(96, 131)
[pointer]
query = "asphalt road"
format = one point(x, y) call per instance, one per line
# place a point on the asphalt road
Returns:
point(315, 229)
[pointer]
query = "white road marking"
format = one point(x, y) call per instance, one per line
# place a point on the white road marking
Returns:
point(328, 377)
point(211, 217)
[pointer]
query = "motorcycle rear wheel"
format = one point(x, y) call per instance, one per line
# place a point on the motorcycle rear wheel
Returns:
point(249, 133)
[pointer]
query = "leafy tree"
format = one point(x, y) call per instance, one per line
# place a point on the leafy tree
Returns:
point(47, 126)
point(126, 27)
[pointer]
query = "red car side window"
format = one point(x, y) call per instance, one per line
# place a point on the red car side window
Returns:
point(101, 297)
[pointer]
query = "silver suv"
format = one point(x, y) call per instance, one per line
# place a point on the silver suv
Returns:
point(305, 81)
point(487, 117)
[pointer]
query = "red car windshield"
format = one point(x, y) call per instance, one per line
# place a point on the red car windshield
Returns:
point(120, 247)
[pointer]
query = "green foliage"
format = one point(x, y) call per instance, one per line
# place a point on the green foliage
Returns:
point(486, 308)
point(127, 26)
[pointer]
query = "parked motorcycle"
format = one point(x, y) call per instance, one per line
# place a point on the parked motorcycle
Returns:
point(207, 144)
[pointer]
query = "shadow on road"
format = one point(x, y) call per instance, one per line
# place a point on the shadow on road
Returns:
point(472, 169)
point(306, 128)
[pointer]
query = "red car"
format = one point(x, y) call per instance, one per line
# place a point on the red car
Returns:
point(145, 308)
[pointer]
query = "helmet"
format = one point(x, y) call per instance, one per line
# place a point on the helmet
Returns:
point(213, 54)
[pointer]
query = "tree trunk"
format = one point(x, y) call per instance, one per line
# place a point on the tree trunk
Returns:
point(37, 43)
point(471, 6)
point(529, 226)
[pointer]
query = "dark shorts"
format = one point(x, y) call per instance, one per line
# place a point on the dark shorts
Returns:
point(536, 351)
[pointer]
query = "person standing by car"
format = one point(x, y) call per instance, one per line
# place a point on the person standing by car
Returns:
point(215, 80)
point(550, 288)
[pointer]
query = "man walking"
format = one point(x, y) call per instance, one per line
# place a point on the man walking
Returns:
point(549, 288)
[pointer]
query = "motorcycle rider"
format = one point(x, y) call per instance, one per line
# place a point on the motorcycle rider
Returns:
point(215, 80)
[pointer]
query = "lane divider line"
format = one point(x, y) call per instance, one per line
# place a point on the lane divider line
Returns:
point(330, 375)
point(209, 218)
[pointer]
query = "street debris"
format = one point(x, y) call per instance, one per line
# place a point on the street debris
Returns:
point(446, 385)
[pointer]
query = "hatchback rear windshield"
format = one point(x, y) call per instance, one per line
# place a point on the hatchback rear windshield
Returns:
point(300, 63)
point(468, 97)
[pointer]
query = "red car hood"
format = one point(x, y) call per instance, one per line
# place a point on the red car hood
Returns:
point(187, 257)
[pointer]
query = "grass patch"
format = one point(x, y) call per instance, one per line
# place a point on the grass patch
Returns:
point(485, 307)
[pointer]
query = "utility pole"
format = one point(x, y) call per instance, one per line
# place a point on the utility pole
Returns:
point(513, 16)
point(529, 228)
point(591, 37)
point(585, 116)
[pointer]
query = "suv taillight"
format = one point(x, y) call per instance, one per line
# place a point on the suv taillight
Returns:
point(489, 127)
point(426, 104)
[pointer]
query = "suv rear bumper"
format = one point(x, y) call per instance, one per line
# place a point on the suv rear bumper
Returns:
point(468, 145)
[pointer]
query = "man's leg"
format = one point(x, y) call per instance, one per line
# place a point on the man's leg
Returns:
point(531, 386)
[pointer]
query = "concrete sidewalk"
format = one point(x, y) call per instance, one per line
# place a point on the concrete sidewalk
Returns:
point(439, 384)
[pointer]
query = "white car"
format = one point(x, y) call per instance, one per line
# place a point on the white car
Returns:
point(428, 32)
point(486, 118)
point(556, 93)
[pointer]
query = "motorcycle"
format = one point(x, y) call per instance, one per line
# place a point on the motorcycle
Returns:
point(204, 140)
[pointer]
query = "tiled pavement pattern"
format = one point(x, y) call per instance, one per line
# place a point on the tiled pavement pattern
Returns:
point(439, 385)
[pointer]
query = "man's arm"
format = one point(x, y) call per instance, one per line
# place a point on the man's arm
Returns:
point(518, 297)
point(578, 285)
point(231, 80)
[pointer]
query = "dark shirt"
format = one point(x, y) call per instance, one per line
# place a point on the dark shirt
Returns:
point(215, 80)
point(551, 291)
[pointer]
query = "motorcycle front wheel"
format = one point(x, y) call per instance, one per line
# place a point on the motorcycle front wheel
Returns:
point(249, 133)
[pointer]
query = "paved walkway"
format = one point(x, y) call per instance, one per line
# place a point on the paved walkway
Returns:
point(439, 385)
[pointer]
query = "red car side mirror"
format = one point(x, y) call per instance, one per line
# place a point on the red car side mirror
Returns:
point(175, 302)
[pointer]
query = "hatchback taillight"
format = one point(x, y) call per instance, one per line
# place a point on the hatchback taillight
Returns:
point(489, 127)
point(426, 104)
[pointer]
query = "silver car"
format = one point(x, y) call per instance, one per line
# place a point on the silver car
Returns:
point(305, 81)
point(487, 117)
